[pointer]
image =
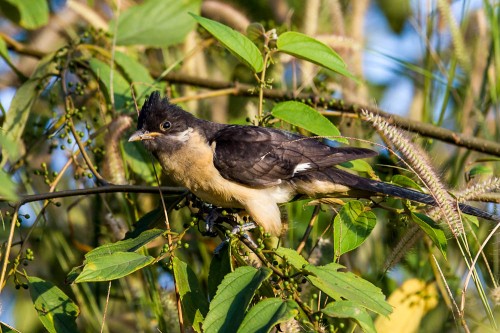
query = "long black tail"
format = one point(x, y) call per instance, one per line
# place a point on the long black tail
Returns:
point(363, 184)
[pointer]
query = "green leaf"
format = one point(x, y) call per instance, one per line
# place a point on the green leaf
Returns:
point(29, 14)
point(20, 107)
point(194, 302)
point(351, 227)
point(121, 88)
point(8, 188)
point(139, 161)
point(234, 294)
point(136, 73)
point(405, 182)
point(432, 230)
point(295, 259)
point(348, 286)
point(479, 170)
point(4, 53)
point(220, 266)
point(302, 115)
point(56, 310)
point(113, 266)
point(238, 44)
point(157, 23)
point(359, 166)
point(126, 245)
point(268, 313)
point(312, 50)
point(348, 309)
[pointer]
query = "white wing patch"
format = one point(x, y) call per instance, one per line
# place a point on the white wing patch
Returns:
point(301, 167)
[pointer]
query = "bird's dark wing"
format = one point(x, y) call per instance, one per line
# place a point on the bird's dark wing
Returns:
point(258, 156)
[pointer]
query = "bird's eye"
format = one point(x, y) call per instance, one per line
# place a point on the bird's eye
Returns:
point(165, 125)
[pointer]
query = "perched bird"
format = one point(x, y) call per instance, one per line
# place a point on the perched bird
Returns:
point(254, 168)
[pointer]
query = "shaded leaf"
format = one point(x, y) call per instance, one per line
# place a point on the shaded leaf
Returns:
point(113, 266)
point(136, 73)
point(268, 313)
point(56, 310)
point(238, 44)
point(6, 328)
point(20, 107)
point(432, 230)
point(120, 86)
point(8, 188)
point(348, 309)
point(234, 294)
point(194, 302)
point(348, 286)
point(157, 23)
point(302, 115)
point(351, 227)
point(220, 266)
point(139, 161)
point(312, 50)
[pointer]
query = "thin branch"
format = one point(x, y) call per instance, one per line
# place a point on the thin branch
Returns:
point(424, 129)
point(101, 189)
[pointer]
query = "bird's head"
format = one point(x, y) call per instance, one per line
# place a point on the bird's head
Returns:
point(162, 125)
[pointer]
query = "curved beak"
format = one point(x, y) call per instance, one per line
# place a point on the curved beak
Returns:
point(143, 135)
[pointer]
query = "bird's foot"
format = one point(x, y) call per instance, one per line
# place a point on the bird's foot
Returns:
point(239, 229)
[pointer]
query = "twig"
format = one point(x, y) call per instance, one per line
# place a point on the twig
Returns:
point(313, 220)
point(424, 129)
point(100, 189)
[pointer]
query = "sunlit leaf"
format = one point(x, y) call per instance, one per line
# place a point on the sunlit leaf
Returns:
point(56, 310)
point(302, 115)
point(157, 23)
point(268, 313)
point(29, 14)
point(405, 182)
point(113, 266)
point(312, 50)
point(238, 44)
point(348, 286)
point(234, 294)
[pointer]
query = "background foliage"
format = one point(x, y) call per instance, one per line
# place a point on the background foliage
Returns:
point(80, 254)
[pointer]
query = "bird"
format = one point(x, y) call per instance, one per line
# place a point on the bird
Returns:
point(256, 168)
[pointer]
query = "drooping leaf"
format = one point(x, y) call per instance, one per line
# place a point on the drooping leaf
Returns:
point(238, 44)
point(220, 266)
point(348, 286)
point(194, 302)
point(20, 107)
point(120, 87)
point(56, 310)
point(268, 313)
point(158, 23)
point(29, 14)
point(351, 227)
point(312, 50)
point(229, 305)
point(302, 115)
point(348, 309)
point(113, 266)
point(432, 230)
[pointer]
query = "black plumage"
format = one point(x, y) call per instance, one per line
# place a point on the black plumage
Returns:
point(252, 167)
